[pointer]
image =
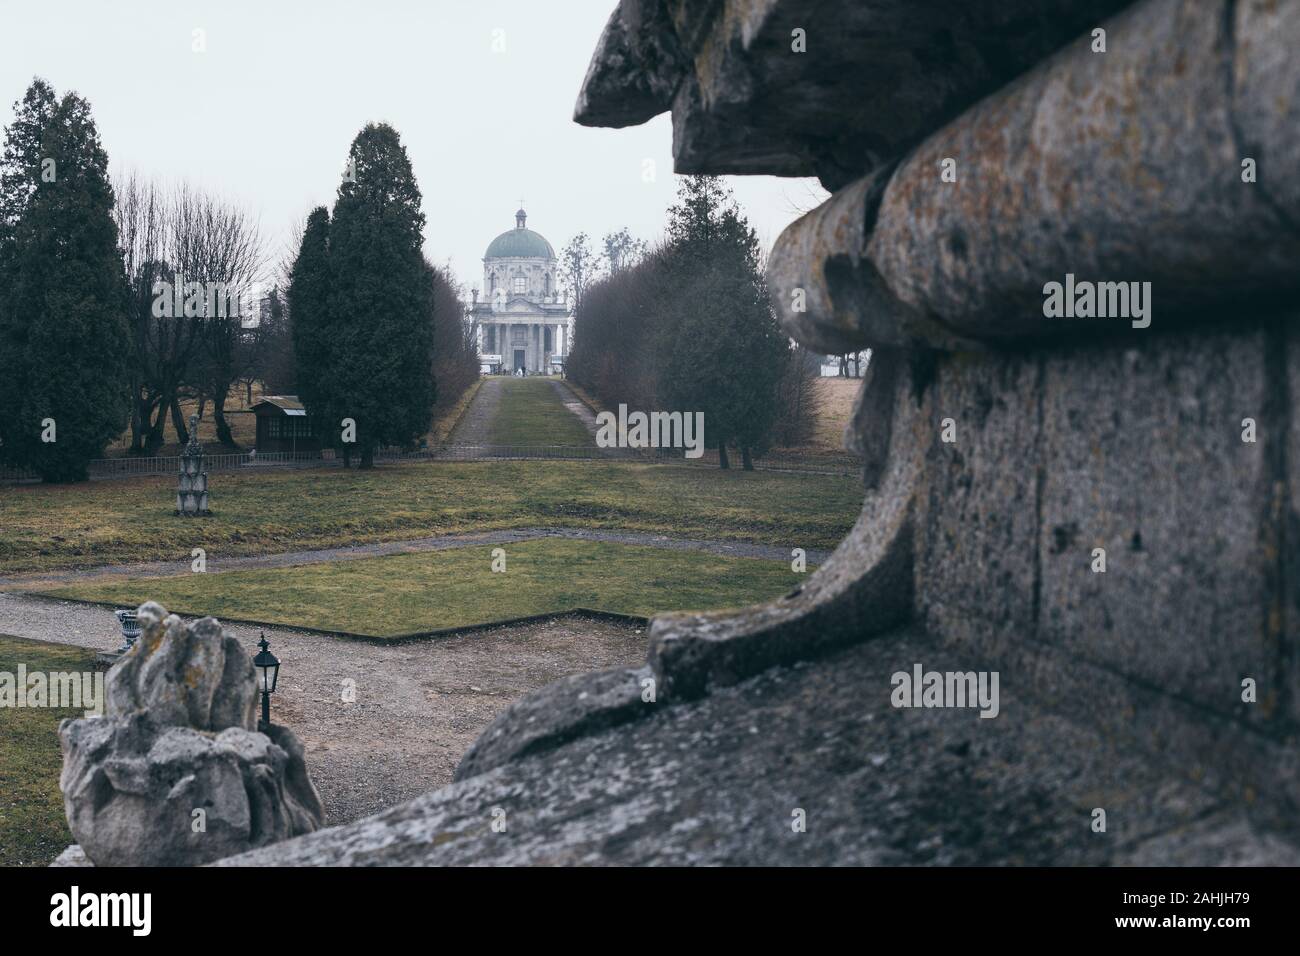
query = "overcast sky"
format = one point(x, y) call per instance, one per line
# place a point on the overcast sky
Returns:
point(264, 117)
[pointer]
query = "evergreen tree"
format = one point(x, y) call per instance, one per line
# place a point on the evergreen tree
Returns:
point(275, 366)
point(724, 352)
point(315, 340)
point(64, 340)
point(23, 153)
point(381, 299)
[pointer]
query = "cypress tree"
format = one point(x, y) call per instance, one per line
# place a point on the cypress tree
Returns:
point(64, 340)
point(316, 356)
point(381, 298)
point(723, 348)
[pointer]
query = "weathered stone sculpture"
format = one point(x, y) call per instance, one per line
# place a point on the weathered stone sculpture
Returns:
point(1102, 511)
point(175, 772)
point(192, 485)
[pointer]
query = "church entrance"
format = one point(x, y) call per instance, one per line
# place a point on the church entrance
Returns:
point(519, 359)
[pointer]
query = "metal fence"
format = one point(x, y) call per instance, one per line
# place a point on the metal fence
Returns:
point(134, 467)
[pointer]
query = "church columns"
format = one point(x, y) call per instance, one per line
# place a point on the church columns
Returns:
point(502, 336)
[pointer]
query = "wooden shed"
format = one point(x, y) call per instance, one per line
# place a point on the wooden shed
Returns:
point(284, 426)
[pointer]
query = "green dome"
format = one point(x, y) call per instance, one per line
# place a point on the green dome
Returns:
point(520, 243)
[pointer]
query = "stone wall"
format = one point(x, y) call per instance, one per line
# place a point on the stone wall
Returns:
point(1137, 451)
point(1069, 435)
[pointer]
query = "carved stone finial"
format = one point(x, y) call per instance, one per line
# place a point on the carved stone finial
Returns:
point(193, 447)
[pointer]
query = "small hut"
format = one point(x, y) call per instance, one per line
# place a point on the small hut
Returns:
point(283, 425)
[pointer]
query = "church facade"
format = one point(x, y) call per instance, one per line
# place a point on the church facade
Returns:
point(523, 320)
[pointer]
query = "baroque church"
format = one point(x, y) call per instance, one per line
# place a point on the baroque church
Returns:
point(523, 320)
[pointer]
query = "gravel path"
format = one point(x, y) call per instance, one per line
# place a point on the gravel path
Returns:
point(418, 706)
point(475, 422)
point(570, 400)
point(44, 580)
point(475, 425)
point(576, 406)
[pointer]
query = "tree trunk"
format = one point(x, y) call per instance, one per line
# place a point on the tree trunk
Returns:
point(367, 455)
point(347, 455)
point(156, 422)
point(746, 459)
point(223, 427)
point(249, 387)
point(178, 422)
point(141, 416)
point(154, 438)
point(723, 461)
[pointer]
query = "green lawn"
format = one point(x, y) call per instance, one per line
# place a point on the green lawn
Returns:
point(102, 522)
point(419, 592)
point(531, 413)
point(33, 830)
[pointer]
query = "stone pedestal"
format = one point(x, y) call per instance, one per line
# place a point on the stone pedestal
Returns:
point(192, 485)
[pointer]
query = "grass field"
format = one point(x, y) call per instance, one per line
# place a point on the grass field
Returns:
point(33, 830)
point(404, 593)
point(531, 413)
point(94, 523)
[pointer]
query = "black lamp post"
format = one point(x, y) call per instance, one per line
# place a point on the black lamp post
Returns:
point(269, 665)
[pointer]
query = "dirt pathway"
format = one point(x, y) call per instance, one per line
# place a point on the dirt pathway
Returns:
point(476, 421)
point(581, 411)
point(417, 706)
point(575, 405)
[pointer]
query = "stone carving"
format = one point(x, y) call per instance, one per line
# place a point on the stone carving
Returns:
point(175, 772)
point(745, 102)
point(1123, 688)
point(192, 485)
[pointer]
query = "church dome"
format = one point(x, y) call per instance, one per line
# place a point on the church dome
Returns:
point(519, 243)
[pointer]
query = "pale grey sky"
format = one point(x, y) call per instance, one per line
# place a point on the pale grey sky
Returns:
point(264, 117)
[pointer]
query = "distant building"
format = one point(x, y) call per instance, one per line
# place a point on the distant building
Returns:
point(523, 320)
point(283, 425)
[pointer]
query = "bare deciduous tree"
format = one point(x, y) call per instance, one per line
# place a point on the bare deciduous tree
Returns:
point(202, 252)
